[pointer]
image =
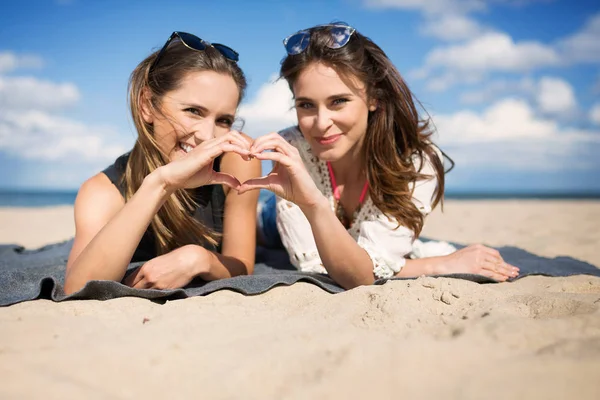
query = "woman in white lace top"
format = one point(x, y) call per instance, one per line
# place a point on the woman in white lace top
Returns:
point(359, 174)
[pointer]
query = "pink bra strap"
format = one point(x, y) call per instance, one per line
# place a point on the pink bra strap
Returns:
point(336, 192)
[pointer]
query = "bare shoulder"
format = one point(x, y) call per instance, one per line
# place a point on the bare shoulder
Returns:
point(97, 199)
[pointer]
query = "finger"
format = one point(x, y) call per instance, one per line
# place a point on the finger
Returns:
point(492, 253)
point(279, 158)
point(497, 268)
point(209, 154)
point(493, 275)
point(242, 137)
point(264, 182)
point(227, 138)
point(273, 145)
point(512, 266)
point(266, 137)
point(222, 178)
point(272, 142)
point(134, 277)
point(497, 259)
point(141, 284)
point(232, 139)
point(507, 270)
point(232, 147)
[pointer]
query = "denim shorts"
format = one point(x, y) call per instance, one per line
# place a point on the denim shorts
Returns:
point(266, 221)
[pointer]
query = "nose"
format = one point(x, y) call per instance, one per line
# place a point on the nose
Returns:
point(204, 130)
point(324, 120)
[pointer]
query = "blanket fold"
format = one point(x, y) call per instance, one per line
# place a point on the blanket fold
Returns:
point(39, 274)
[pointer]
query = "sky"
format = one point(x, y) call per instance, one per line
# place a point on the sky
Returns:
point(511, 86)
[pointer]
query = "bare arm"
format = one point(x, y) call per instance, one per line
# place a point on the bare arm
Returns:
point(107, 243)
point(346, 262)
point(239, 225)
point(107, 230)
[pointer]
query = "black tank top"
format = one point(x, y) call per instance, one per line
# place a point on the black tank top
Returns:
point(210, 200)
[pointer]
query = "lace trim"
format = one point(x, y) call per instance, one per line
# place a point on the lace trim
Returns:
point(318, 171)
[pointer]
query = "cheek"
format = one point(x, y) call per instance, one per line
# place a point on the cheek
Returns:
point(305, 122)
point(356, 119)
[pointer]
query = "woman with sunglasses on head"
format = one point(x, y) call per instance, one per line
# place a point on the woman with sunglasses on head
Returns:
point(357, 176)
point(172, 201)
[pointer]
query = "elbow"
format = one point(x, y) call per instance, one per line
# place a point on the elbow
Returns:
point(358, 281)
point(71, 285)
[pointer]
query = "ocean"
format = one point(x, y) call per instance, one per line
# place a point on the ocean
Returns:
point(48, 198)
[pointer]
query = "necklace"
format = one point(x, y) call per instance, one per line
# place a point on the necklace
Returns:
point(339, 210)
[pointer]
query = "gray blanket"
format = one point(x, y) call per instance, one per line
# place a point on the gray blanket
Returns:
point(39, 274)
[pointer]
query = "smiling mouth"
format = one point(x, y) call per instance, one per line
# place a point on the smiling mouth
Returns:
point(185, 147)
point(329, 139)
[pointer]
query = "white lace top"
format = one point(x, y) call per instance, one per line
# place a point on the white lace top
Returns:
point(374, 231)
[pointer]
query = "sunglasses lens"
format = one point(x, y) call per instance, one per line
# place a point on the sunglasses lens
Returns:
point(192, 41)
point(297, 43)
point(339, 36)
point(227, 52)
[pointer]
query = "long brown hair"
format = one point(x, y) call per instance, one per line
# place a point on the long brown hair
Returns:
point(395, 132)
point(173, 225)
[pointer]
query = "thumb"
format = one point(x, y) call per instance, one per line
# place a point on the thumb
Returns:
point(222, 178)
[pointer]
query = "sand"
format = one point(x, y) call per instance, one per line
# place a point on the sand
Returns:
point(427, 338)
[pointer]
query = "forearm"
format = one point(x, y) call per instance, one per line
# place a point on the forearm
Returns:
point(219, 266)
point(345, 261)
point(422, 266)
point(106, 257)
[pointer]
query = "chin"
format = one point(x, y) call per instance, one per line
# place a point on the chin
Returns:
point(331, 155)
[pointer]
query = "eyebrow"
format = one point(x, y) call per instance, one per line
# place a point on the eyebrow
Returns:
point(204, 109)
point(335, 96)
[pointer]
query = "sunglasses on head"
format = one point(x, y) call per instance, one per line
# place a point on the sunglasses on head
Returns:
point(340, 35)
point(193, 42)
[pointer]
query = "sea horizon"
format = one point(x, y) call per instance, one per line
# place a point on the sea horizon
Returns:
point(42, 197)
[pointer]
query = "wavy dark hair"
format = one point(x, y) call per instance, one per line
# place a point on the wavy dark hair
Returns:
point(396, 133)
point(173, 225)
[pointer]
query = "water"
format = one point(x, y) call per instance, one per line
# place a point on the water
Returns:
point(47, 198)
point(36, 198)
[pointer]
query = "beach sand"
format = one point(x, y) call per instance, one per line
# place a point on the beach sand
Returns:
point(427, 338)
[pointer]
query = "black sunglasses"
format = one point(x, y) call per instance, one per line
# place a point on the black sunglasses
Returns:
point(193, 42)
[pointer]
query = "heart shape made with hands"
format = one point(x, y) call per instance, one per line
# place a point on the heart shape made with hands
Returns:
point(269, 147)
point(244, 149)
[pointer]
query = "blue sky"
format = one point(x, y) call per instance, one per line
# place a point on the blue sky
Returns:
point(513, 86)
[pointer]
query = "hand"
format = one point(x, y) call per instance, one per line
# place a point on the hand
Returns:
point(196, 168)
point(172, 270)
point(481, 260)
point(289, 178)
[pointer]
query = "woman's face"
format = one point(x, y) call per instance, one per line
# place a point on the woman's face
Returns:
point(201, 108)
point(332, 111)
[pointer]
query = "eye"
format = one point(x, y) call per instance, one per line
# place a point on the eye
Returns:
point(340, 101)
point(193, 110)
point(305, 105)
point(227, 122)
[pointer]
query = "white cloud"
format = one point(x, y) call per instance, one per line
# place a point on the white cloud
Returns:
point(10, 61)
point(38, 135)
point(32, 93)
point(270, 110)
point(505, 120)
point(32, 129)
point(472, 61)
point(493, 52)
point(583, 46)
point(492, 90)
point(555, 96)
point(595, 114)
point(509, 134)
point(451, 27)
